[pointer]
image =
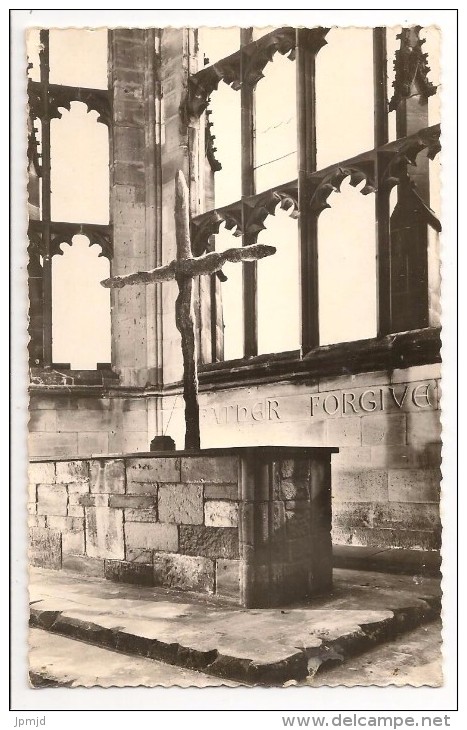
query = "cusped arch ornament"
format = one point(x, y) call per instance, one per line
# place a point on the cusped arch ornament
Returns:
point(59, 96)
point(246, 66)
point(380, 168)
point(61, 232)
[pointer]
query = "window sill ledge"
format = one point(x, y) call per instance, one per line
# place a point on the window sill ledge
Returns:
point(399, 350)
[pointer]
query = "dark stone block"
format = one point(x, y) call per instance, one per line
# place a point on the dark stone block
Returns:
point(211, 542)
point(45, 548)
point(121, 571)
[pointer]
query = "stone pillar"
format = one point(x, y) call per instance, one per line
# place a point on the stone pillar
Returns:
point(284, 525)
point(134, 200)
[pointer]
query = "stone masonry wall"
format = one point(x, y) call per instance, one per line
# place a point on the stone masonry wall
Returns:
point(253, 527)
point(171, 522)
point(77, 425)
point(387, 425)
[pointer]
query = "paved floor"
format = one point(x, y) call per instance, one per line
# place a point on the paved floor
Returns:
point(262, 646)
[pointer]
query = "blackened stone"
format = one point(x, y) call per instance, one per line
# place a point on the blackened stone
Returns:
point(211, 542)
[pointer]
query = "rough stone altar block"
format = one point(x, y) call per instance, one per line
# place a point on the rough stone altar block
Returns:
point(250, 525)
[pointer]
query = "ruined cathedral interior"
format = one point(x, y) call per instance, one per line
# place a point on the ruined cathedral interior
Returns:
point(331, 345)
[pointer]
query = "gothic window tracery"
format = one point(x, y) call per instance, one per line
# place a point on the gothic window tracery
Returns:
point(68, 190)
point(341, 139)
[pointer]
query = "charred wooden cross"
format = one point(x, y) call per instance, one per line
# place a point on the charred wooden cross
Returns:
point(183, 269)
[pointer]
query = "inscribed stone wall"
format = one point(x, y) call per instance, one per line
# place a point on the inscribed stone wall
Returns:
point(386, 477)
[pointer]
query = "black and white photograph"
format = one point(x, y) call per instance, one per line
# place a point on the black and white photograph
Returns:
point(234, 346)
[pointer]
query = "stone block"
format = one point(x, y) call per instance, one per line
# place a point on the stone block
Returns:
point(52, 444)
point(83, 420)
point(414, 485)
point(137, 555)
point(384, 429)
point(157, 469)
point(418, 372)
point(360, 486)
point(94, 500)
point(151, 536)
point(104, 533)
point(221, 491)
point(214, 469)
point(42, 472)
point(45, 548)
point(393, 515)
point(296, 469)
point(130, 501)
point(37, 521)
point(220, 513)
point(52, 499)
point(135, 419)
point(132, 113)
point(107, 476)
point(406, 457)
point(386, 538)
point(181, 504)
point(82, 564)
point(142, 489)
point(73, 542)
point(128, 54)
point(228, 578)
point(184, 572)
point(293, 490)
point(353, 514)
point(423, 428)
point(72, 471)
point(129, 172)
point(141, 515)
point(61, 524)
point(129, 145)
point(350, 458)
point(75, 510)
point(31, 508)
point(137, 573)
point(344, 431)
point(93, 443)
point(52, 402)
point(32, 493)
point(407, 515)
point(211, 542)
point(42, 420)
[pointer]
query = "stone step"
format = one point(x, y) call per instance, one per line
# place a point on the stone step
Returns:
point(254, 646)
point(57, 661)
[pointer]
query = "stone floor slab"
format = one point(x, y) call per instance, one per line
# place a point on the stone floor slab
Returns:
point(265, 646)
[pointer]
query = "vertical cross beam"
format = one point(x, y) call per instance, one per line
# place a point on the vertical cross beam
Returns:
point(184, 317)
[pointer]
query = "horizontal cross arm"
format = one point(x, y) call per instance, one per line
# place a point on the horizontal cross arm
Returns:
point(214, 261)
point(162, 273)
